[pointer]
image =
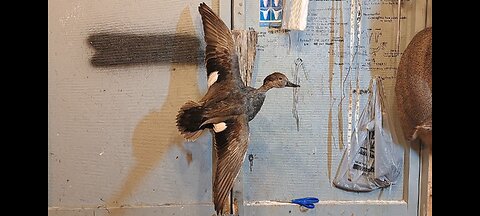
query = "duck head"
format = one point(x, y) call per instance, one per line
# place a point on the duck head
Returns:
point(277, 80)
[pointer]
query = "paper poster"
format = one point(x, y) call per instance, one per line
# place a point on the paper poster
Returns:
point(271, 13)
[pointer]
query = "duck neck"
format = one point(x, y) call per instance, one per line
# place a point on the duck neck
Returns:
point(264, 88)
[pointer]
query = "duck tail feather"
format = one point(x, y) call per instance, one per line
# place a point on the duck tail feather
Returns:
point(189, 120)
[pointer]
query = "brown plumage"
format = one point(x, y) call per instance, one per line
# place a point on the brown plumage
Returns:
point(413, 88)
point(227, 107)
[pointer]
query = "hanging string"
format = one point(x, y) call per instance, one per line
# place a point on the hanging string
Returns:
point(398, 32)
point(398, 26)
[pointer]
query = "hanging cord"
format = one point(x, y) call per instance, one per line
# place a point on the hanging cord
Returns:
point(398, 26)
point(398, 32)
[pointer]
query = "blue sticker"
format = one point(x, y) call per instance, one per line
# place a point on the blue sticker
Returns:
point(271, 13)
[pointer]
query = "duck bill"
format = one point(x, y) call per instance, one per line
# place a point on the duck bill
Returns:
point(290, 84)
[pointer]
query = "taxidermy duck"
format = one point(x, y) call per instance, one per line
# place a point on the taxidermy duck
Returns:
point(227, 107)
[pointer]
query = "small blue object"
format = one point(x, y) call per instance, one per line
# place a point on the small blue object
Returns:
point(306, 202)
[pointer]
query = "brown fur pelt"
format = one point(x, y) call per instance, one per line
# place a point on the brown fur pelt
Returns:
point(413, 88)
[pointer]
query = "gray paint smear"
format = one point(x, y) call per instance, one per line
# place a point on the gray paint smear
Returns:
point(115, 49)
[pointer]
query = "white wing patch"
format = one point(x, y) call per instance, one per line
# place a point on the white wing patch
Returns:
point(219, 127)
point(212, 78)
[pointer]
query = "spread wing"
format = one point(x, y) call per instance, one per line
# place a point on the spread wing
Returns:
point(220, 57)
point(231, 145)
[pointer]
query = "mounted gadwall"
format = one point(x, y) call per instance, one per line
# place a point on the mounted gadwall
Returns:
point(227, 107)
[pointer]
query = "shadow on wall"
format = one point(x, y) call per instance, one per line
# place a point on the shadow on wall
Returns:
point(156, 133)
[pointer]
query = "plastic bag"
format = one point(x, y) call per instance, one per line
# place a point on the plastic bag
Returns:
point(372, 160)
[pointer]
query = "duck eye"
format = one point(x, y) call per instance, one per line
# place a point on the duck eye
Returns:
point(280, 78)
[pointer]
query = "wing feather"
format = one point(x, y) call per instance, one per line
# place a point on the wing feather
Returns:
point(231, 145)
